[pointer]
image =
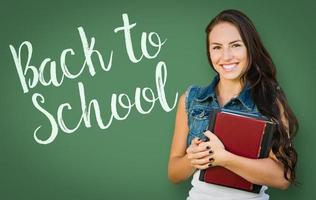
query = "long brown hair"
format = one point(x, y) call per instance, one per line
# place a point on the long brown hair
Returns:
point(265, 90)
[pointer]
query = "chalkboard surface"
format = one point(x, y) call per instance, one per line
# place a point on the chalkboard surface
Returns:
point(89, 92)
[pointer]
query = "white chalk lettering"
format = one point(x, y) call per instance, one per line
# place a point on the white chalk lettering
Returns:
point(126, 28)
point(119, 106)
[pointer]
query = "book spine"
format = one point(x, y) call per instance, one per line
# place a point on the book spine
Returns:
point(210, 128)
point(266, 141)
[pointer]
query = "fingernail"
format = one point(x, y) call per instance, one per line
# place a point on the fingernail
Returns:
point(211, 159)
point(210, 164)
point(207, 147)
point(210, 151)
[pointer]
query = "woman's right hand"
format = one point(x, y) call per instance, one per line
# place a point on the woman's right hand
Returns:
point(199, 154)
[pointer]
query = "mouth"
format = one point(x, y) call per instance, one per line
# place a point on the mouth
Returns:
point(229, 67)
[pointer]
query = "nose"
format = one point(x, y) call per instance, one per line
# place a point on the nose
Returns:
point(227, 54)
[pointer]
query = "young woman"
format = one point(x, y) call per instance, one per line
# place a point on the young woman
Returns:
point(245, 81)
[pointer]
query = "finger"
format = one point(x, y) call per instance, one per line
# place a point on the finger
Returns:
point(209, 134)
point(200, 148)
point(204, 146)
point(199, 141)
point(201, 154)
point(193, 149)
point(189, 150)
point(203, 161)
point(201, 167)
point(199, 161)
point(205, 166)
point(195, 141)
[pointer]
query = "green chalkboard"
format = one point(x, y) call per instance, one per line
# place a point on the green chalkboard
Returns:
point(89, 92)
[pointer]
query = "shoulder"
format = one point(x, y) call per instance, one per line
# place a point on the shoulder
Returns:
point(193, 90)
point(191, 93)
point(182, 99)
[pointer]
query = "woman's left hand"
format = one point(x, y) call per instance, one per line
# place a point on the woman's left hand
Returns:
point(219, 153)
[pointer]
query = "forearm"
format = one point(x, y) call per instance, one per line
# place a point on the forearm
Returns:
point(265, 171)
point(180, 169)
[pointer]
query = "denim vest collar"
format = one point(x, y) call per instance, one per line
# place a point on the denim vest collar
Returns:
point(209, 92)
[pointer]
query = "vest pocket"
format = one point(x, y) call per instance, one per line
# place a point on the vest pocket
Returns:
point(199, 118)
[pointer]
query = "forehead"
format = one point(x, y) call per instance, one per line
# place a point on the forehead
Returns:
point(224, 32)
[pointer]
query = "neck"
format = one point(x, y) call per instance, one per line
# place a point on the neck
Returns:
point(228, 89)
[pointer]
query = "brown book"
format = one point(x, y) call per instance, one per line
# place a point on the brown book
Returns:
point(242, 134)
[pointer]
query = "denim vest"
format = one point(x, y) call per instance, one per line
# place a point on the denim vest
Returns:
point(201, 100)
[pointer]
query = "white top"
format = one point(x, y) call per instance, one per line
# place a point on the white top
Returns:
point(207, 191)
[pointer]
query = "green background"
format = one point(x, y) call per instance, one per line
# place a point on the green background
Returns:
point(129, 159)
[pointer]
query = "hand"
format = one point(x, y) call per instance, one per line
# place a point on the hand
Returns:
point(199, 154)
point(219, 153)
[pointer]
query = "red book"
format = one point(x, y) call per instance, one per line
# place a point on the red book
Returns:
point(242, 134)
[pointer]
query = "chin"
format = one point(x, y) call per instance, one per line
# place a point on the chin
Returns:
point(231, 77)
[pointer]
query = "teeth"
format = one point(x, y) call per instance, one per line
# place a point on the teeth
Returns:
point(229, 67)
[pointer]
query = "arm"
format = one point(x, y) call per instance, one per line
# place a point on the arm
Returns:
point(184, 161)
point(179, 167)
point(267, 171)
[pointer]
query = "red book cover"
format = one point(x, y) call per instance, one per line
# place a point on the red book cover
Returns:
point(244, 135)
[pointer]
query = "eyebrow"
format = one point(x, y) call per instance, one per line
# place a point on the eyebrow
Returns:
point(216, 43)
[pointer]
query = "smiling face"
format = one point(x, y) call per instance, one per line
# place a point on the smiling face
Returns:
point(227, 51)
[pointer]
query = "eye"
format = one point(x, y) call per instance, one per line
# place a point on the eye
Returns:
point(216, 48)
point(236, 45)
